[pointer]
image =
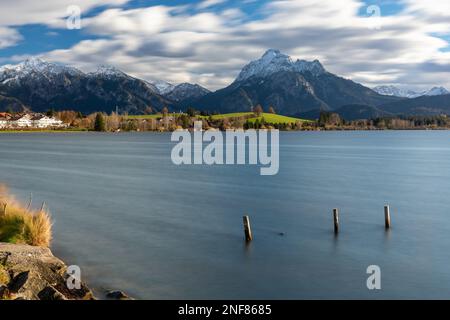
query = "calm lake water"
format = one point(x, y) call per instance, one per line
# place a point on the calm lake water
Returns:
point(134, 221)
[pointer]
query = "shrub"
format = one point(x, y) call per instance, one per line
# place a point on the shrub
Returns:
point(22, 225)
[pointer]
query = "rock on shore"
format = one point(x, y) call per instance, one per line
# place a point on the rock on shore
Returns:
point(33, 273)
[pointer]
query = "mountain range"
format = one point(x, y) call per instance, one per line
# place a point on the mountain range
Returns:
point(404, 93)
point(298, 88)
point(41, 85)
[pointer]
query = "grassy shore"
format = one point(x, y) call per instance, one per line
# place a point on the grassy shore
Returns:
point(268, 117)
point(19, 224)
point(277, 119)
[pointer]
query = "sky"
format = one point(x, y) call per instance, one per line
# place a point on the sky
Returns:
point(404, 42)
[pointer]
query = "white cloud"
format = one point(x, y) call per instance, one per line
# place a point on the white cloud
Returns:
point(8, 37)
point(50, 12)
point(209, 3)
point(21, 12)
point(174, 44)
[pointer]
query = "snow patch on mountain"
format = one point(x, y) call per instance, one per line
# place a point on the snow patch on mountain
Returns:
point(274, 61)
point(395, 92)
point(163, 87)
point(106, 71)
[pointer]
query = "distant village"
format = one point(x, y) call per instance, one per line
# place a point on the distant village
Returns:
point(29, 121)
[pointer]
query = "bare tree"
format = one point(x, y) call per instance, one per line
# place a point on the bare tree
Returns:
point(258, 110)
point(272, 110)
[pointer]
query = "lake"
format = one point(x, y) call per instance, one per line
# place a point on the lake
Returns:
point(133, 221)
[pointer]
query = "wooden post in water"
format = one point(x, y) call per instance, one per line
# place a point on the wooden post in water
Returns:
point(387, 217)
point(247, 229)
point(336, 220)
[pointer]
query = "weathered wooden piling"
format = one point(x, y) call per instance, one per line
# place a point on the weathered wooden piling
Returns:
point(336, 220)
point(387, 217)
point(247, 229)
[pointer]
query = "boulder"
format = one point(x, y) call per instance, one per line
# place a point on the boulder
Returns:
point(50, 293)
point(36, 274)
point(117, 295)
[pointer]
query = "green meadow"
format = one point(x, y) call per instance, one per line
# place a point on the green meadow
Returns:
point(268, 117)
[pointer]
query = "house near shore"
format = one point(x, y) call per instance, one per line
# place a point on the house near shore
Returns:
point(29, 121)
point(43, 121)
point(3, 123)
point(4, 118)
point(20, 121)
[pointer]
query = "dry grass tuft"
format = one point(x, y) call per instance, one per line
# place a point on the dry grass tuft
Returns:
point(19, 224)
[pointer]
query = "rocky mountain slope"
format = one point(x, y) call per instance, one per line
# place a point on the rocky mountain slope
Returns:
point(11, 104)
point(186, 92)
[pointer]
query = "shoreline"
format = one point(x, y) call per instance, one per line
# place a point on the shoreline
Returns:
point(165, 132)
point(28, 268)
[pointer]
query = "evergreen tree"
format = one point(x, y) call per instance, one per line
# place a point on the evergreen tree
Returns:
point(191, 112)
point(51, 113)
point(324, 118)
point(100, 124)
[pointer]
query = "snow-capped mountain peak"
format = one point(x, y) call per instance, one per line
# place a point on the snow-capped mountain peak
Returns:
point(274, 61)
point(275, 56)
point(35, 69)
point(35, 65)
point(437, 91)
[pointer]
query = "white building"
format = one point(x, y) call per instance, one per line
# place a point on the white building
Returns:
point(3, 123)
point(41, 121)
point(4, 119)
point(21, 121)
point(38, 121)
